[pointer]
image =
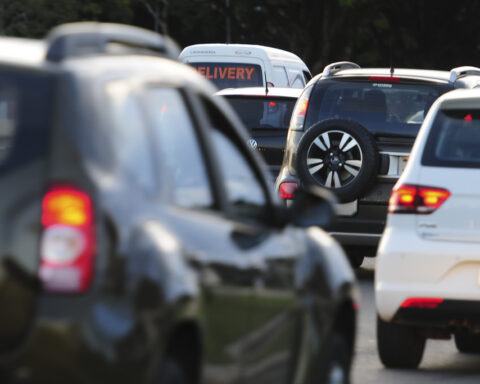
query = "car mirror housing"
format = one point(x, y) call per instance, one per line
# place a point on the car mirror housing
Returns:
point(312, 206)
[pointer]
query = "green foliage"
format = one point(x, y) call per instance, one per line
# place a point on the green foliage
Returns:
point(34, 18)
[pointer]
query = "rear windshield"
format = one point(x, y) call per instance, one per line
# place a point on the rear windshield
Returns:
point(263, 113)
point(231, 75)
point(378, 106)
point(24, 116)
point(454, 140)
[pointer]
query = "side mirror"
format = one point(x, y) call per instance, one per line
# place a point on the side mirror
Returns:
point(312, 206)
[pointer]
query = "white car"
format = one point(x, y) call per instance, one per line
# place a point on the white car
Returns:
point(427, 281)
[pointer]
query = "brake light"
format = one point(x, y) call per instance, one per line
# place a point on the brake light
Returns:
point(300, 110)
point(68, 241)
point(422, 302)
point(287, 190)
point(384, 79)
point(416, 199)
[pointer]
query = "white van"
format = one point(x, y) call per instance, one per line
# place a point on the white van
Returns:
point(244, 65)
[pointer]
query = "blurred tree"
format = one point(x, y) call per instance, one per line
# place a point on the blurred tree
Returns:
point(34, 18)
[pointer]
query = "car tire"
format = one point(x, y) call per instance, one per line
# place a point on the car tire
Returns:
point(467, 342)
point(355, 255)
point(171, 372)
point(335, 366)
point(338, 154)
point(399, 346)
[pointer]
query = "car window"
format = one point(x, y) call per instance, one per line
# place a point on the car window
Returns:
point(263, 113)
point(280, 75)
point(454, 140)
point(131, 145)
point(245, 194)
point(374, 104)
point(180, 152)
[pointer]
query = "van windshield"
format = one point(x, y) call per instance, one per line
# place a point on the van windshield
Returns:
point(231, 75)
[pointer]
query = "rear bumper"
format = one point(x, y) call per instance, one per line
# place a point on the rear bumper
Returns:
point(448, 315)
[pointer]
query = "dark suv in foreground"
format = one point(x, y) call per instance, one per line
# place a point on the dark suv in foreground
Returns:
point(351, 131)
point(140, 241)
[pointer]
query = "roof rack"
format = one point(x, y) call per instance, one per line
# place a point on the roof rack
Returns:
point(458, 72)
point(89, 38)
point(333, 68)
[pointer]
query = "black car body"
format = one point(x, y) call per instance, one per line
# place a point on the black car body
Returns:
point(266, 114)
point(352, 131)
point(139, 238)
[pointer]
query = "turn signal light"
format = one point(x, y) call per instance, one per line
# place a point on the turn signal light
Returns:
point(422, 302)
point(68, 241)
point(416, 199)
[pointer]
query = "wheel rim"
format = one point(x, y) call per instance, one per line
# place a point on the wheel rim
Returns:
point(334, 159)
point(336, 375)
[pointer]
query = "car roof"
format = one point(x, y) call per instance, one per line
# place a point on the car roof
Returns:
point(261, 92)
point(15, 50)
point(407, 73)
point(461, 99)
point(237, 50)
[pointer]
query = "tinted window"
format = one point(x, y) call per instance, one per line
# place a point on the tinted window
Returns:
point(268, 113)
point(180, 152)
point(131, 146)
point(394, 104)
point(25, 106)
point(231, 75)
point(454, 140)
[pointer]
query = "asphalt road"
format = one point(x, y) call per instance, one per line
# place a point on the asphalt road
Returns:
point(442, 363)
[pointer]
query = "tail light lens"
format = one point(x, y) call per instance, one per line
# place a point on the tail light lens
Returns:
point(287, 190)
point(422, 302)
point(68, 241)
point(300, 110)
point(416, 199)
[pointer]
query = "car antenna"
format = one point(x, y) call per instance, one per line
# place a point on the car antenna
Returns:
point(266, 85)
point(391, 60)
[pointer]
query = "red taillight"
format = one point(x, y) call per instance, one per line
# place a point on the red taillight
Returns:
point(422, 302)
point(287, 190)
point(68, 241)
point(384, 79)
point(300, 110)
point(416, 199)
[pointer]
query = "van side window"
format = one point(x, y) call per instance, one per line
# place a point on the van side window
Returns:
point(280, 76)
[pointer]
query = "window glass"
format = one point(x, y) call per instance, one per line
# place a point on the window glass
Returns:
point(454, 140)
point(131, 146)
point(179, 150)
point(244, 191)
point(394, 105)
point(280, 76)
point(263, 113)
point(231, 75)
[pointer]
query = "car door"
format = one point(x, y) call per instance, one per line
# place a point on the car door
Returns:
point(194, 213)
point(25, 113)
point(267, 350)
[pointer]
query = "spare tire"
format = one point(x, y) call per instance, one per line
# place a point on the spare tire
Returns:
point(338, 154)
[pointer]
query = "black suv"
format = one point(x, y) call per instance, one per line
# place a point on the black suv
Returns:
point(140, 241)
point(352, 131)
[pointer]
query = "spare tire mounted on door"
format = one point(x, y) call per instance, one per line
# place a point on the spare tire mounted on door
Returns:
point(338, 154)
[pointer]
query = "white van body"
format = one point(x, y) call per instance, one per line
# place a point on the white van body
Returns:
point(245, 65)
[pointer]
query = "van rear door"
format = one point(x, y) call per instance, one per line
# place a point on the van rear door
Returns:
point(25, 103)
